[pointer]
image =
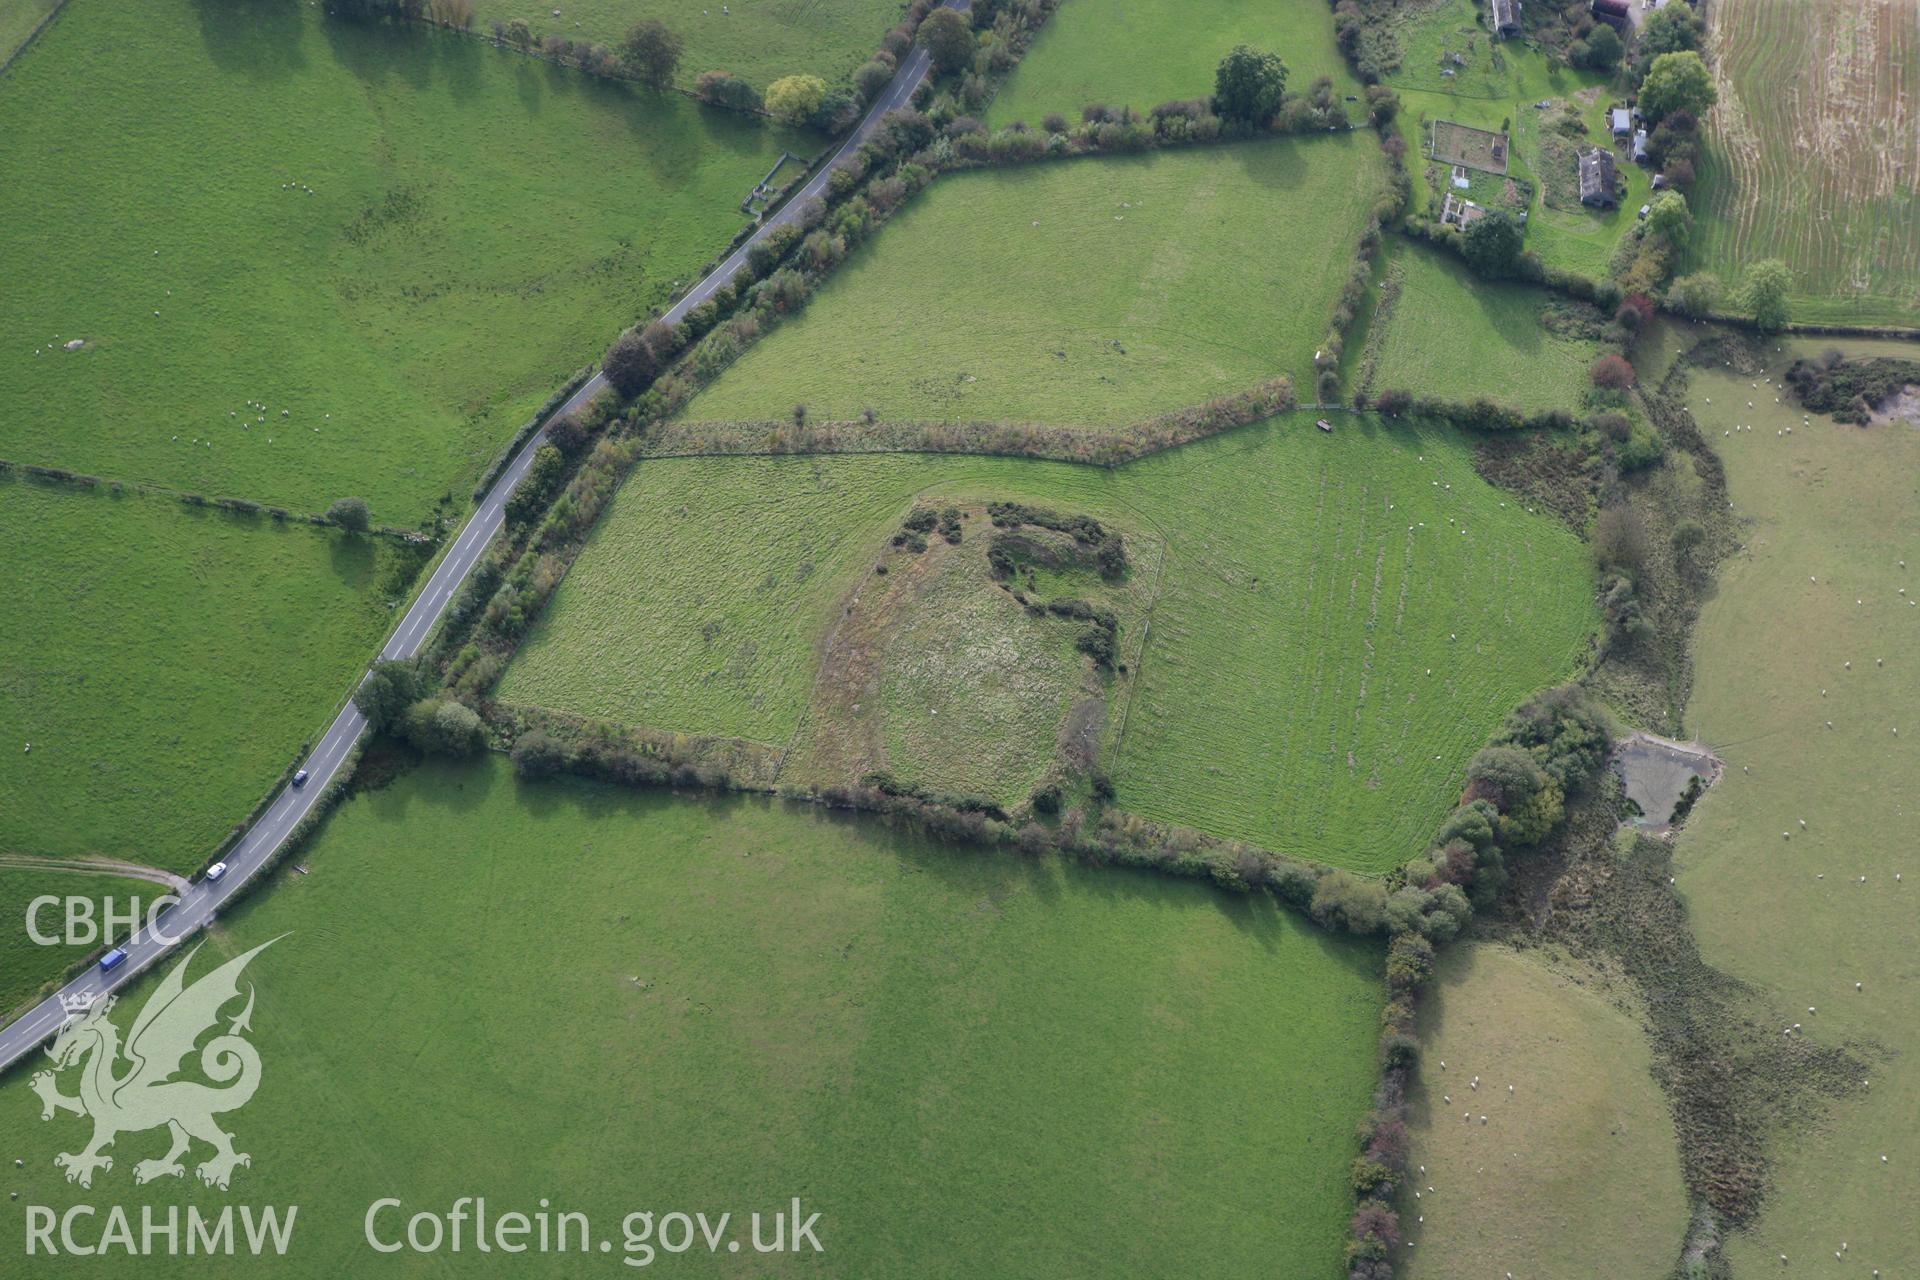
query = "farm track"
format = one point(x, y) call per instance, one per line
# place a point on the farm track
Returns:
point(1815, 153)
point(93, 867)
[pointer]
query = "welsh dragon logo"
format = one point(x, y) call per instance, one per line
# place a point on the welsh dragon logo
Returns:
point(131, 1088)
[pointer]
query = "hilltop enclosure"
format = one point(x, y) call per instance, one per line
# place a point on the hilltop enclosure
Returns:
point(1340, 620)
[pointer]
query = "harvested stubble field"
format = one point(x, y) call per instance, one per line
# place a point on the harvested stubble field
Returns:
point(166, 663)
point(1576, 1172)
point(719, 1006)
point(403, 240)
point(1447, 334)
point(1139, 53)
point(1804, 913)
point(1090, 291)
point(1814, 156)
point(1340, 623)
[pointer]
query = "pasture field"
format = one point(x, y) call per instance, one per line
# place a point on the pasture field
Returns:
point(1829, 513)
point(1577, 1172)
point(721, 1005)
point(166, 663)
point(1447, 334)
point(760, 40)
point(18, 18)
point(466, 228)
point(1087, 291)
point(1139, 53)
point(1340, 622)
point(24, 963)
point(1814, 153)
point(702, 595)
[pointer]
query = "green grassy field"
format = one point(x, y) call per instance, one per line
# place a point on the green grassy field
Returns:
point(1141, 52)
point(1450, 335)
point(761, 40)
point(479, 226)
point(703, 593)
point(1577, 1172)
point(18, 18)
point(719, 1006)
point(1317, 672)
point(1814, 155)
point(166, 664)
point(24, 963)
point(1828, 513)
point(1087, 291)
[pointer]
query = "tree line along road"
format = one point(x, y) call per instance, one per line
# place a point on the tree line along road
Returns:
point(200, 902)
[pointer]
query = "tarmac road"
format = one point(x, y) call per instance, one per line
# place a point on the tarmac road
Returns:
point(202, 901)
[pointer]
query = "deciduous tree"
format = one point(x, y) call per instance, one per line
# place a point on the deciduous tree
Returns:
point(350, 514)
point(1765, 293)
point(947, 39)
point(794, 99)
point(1248, 85)
point(1492, 244)
point(1599, 50)
point(1672, 28)
point(1694, 295)
point(441, 726)
point(1669, 217)
point(724, 89)
point(651, 53)
point(1612, 372)
point(1677, 82)
point(389, 689)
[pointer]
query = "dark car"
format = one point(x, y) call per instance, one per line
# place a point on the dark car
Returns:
point(300, 778)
